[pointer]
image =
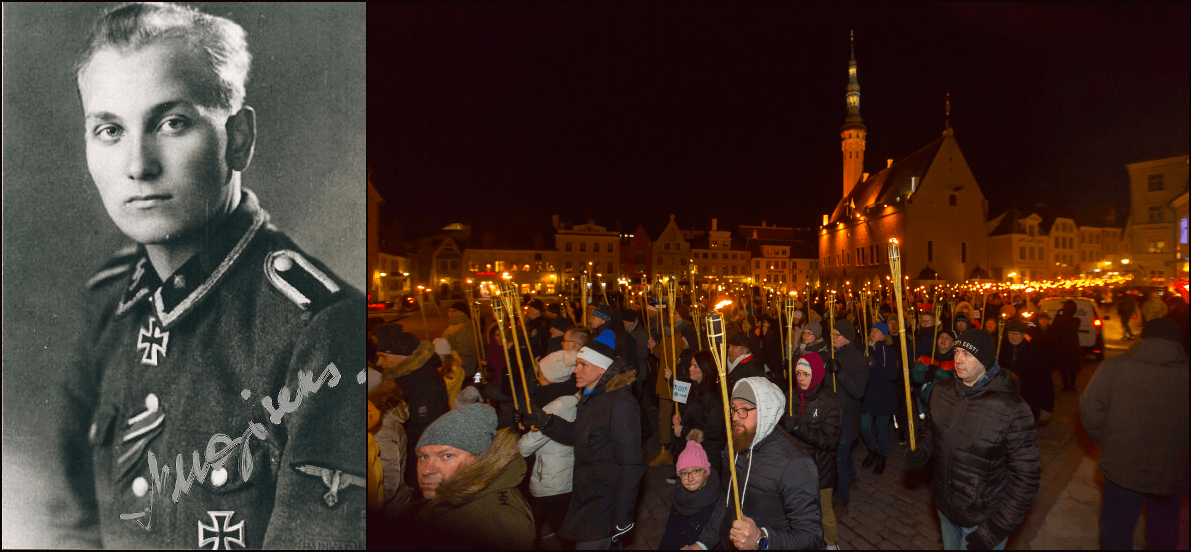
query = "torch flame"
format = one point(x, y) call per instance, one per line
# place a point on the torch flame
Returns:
point(723, 304)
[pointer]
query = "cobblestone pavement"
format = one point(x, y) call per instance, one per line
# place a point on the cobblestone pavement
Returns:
point(896, 511)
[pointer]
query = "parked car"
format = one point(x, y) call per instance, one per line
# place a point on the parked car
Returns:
point(1091, 327)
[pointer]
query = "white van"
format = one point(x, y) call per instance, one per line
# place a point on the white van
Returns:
point(1091, 328)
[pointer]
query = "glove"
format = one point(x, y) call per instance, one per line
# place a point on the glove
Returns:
point(983, 538)
point(832, 365)
point(620, 531)
point(916, 458)
point(538, 418)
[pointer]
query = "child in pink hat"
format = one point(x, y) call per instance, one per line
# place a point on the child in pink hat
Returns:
point(693, 500)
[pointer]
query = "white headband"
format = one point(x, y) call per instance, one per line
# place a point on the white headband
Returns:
point(590, 355)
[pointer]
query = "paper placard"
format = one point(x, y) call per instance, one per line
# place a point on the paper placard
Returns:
point(681, 390)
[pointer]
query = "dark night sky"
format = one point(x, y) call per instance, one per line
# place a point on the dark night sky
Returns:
point(506, 114)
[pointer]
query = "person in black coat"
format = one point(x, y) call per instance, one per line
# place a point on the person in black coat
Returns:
point(1021, 357)
point(1062, 341)
point(850, 382)
point(609, 460)
point(880, 397)
point(742, 363)
point(771, 351)
point(702, 417)
point(815, 423)
point(413, 366)
point(608, 327)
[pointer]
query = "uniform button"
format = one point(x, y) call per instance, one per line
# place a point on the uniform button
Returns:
point(219, 477)
point(140, 486)
point(283, 263)
point(151, 402)
point(94, 429)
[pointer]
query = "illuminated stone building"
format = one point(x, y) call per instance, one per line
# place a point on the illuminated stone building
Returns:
point(929, 201)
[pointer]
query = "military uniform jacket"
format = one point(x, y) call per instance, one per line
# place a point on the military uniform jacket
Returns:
point(221, 408)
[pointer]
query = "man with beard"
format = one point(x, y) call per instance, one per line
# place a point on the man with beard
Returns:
point(779, 482)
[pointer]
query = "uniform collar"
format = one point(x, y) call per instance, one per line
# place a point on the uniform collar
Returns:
point(186, 287)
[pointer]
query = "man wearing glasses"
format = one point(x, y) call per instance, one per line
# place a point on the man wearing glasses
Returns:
point(779, 483)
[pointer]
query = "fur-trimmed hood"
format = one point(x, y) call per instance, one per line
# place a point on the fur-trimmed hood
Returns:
point(423, 353)
point(499, 467)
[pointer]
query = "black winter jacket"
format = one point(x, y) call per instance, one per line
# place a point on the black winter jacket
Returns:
point(817, 427)
point(985, 447)
point(781, 496)
point(850, 385)
point(609, 461)
point(704, 411)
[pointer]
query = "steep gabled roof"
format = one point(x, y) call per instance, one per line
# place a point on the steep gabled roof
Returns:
point(1008, 224)
point(883, 187)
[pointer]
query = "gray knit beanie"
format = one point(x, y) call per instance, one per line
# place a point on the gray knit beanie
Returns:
point(815, 328)
point(470, 428)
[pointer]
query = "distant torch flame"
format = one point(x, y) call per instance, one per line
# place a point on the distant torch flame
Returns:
point(723, 304)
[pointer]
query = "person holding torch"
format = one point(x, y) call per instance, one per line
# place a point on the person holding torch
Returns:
point(779, 495)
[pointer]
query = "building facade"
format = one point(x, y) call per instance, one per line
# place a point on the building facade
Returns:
point(533, 270)
point(587, 248)
point(1152, 230)
point(671, 252)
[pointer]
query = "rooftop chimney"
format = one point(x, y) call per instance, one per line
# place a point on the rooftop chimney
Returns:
point(713, 221)
point(554, 221)
point(762, 224)
point(888, 163)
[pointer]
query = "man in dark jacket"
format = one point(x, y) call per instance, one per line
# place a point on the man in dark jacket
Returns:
point(850, 382)
point(742, 363)
point(815, 423)
point(413, 366)
point(538, 327)
point(1022, 357)
point(778, 480)
point(609, 461)
point(1136, 408)
point(985, 446)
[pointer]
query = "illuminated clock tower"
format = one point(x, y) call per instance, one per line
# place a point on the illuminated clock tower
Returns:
point(853, 131)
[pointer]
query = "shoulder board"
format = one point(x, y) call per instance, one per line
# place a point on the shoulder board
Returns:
point(118, 264)
point(298, 279)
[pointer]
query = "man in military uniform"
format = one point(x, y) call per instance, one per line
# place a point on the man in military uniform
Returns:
point(216, 398)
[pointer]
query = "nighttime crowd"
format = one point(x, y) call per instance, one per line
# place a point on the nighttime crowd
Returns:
point(527, 430)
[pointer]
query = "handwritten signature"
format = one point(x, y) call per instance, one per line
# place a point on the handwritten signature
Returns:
point(220, 447)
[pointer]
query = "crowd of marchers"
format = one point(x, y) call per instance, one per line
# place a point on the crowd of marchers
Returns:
point(458, 459)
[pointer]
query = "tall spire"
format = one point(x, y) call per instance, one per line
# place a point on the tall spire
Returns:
point(853, 132)
point(947, 119)
point(853, 92)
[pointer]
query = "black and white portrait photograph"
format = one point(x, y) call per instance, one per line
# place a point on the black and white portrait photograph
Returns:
point(184, 219)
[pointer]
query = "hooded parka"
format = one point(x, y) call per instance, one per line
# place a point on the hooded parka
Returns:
point(779, 483)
